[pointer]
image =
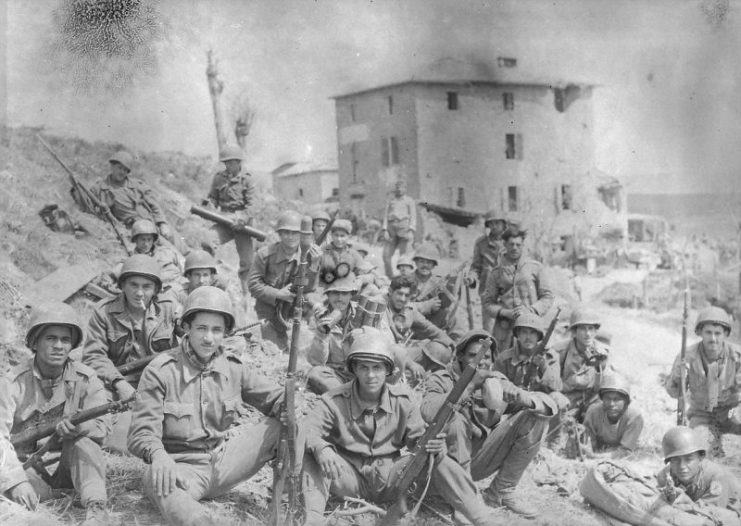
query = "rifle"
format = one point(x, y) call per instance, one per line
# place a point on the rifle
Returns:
point(87, 198)
point(469, 308)
point(532, 370)
point(682, 400)
point(285, 468)
point(419, 457)
point(221, 219)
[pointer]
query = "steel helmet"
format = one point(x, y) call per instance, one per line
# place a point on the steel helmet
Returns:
point(361, 247)
point(493, 215)
point(368, 343)
point(209, 299)
point(474, 336)
point(680, 441)
point(404, 260)
point(53, 313)
point(320, 215)
point(141, 265)
point(583, 316)
point(715, 316)
point(346, 283)
point(342, 224)
point(231, 153)
point(199, 259)
point(614, 383)
point(530, 320)
point(427, 251)
point(289, 220)
point(306, 224)
point(123, 158)
point(437, 353)
point(143, 226)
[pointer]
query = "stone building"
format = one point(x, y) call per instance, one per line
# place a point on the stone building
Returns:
point(312, 183)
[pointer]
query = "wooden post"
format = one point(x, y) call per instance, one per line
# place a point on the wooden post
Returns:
point(216, 88)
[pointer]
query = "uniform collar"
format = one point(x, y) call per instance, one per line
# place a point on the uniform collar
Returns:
point(109, 184)
point(118, 306)
point(357, 409)
point(193, 368)
point(284, 254)
point(68, 372)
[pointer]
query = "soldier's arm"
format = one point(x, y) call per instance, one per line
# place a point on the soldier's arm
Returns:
point(385, 225)
point(11, 469)
point(490, 299)
point(425, 329)
point(154, 206)
point(264, 395)
point(436, 392)
point(415, 425)
point(213, 193)
point(95, 352)
point(256, 283)
point(319, 424)
point(248, 194)
point(545, 292)
point(590, 428)
point(147, 416)
point(672, 383)
point(633, 430)
point(318, 350)
point(550, 378)
point(412, 214)
point(95, 396)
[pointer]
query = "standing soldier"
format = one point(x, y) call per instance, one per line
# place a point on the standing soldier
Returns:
point(516, 286)
point(131, 199)
point(135, 324)
point(486, 254)
point(36, 386)
point(399, 225)
point(182, 420)
point(232, 191)
point(713, 379)
point(479, 436)
point(355, 434)
point(144, 235)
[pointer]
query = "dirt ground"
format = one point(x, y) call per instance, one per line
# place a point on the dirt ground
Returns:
point(644, 341)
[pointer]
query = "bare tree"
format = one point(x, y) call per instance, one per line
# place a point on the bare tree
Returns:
point(243, 113)
point(216, 88)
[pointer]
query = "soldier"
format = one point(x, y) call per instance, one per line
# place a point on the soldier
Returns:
point(713, 379)
point(496, 426)
point(487, 251)
point(233, 191)
point(188, 399)
point(36, 386)
point(614, 426)
point(399, 225)
point(516, 286)
point(144, 235)
point(405, 266)
point(584, 361)
point(429, 346)
point(131, 199)
point(272, 274)
point(319, 221)
point(137, 323)
point(354, 437)
point(692, 483)
point(338, 259)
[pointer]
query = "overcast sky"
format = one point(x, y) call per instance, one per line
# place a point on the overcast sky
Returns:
point(667, 112)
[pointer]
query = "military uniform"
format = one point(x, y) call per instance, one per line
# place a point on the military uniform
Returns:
point(428, 345)
point(129, 202)
point(170, 262)
point(605, 436)
point(369, 444)
point(25, 396)
point(521, 371)
point(333, 256)
point(234, 194)
point(512, 284)
point(582, 373)
point(188, 409)
point(426, 293)
point(714, 389)
point(487, 252)
point(400, 221)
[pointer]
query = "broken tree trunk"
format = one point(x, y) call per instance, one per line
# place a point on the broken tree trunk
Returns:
point(216, 88)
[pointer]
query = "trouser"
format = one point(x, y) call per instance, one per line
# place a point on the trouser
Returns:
point(398, 238)
point(115, 440)
point(244, 246)
point(376, 479)
point(509, 448)
point(211, 474)
point(712, 425)
point(322, 378)
point(81, 466)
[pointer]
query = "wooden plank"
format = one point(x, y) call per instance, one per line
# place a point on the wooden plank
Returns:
point(60, 284)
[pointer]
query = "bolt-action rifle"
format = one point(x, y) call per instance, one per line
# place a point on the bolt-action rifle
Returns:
point(420, 457)
point(682, 400)
point(87, 199)
point(532, 370)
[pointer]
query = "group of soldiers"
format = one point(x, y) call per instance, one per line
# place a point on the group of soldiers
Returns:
point(374, 335)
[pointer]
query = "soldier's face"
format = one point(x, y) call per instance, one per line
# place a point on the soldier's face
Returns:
point(424, 266)
point(206, 332)
point(53, 346)
point(685, 467)
point(318, 226)
point(713, 337)
point(371, 376)
point(339, 300)
point(514, 247)
point(468, 355)
point(405, 270)
point(290, 239)
point(585, 335)
point(528, 338)
point(198, 277)
point(400, 297)
point(233, 166)
point(138, 291)
point(118, 172)
point(614, 404)
point(339, 238)
point(496, 228)
point(144, 243)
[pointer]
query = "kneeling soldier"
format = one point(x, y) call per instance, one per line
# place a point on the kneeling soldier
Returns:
point(188, 400)
point(35, 387)
point(498, 425)
point(355, 434)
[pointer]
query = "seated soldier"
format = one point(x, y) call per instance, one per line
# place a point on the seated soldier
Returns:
point(498, 427)
point(338, 259)
point(35, 387)
point(405, 266)
point(354, 437)
point(188, 399)
point(144, 235)
point(614, 426)
point(136, 324)
point(426, 345)
point(693, 483)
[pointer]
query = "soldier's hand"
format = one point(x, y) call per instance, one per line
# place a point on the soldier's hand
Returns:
point(470, 282)
point(519, 311)
point(480, 377)
point(416, 371)
point(314, 252)
point(437, 445)
point(285, 294)
point(435, 304)
point(25, 495)
point(124, 390)
point(510, 392)
point(330, 463)
point(166, 476)
point(507, 313)
point(165, 231)
point(67, 430)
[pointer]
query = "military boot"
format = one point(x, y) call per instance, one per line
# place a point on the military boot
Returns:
point(96, 514)
point(508, 498)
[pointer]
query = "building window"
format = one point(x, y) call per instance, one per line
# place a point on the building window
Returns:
point(512, 198)
point(391, 105)
point(452, 100)
point(461, 202)
point(354, 161)
point(506, 62)
point(508, 101)
point(300, 192)
point(513, 146)
point(566, 197)
point(352, 112)
point(389, 151)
